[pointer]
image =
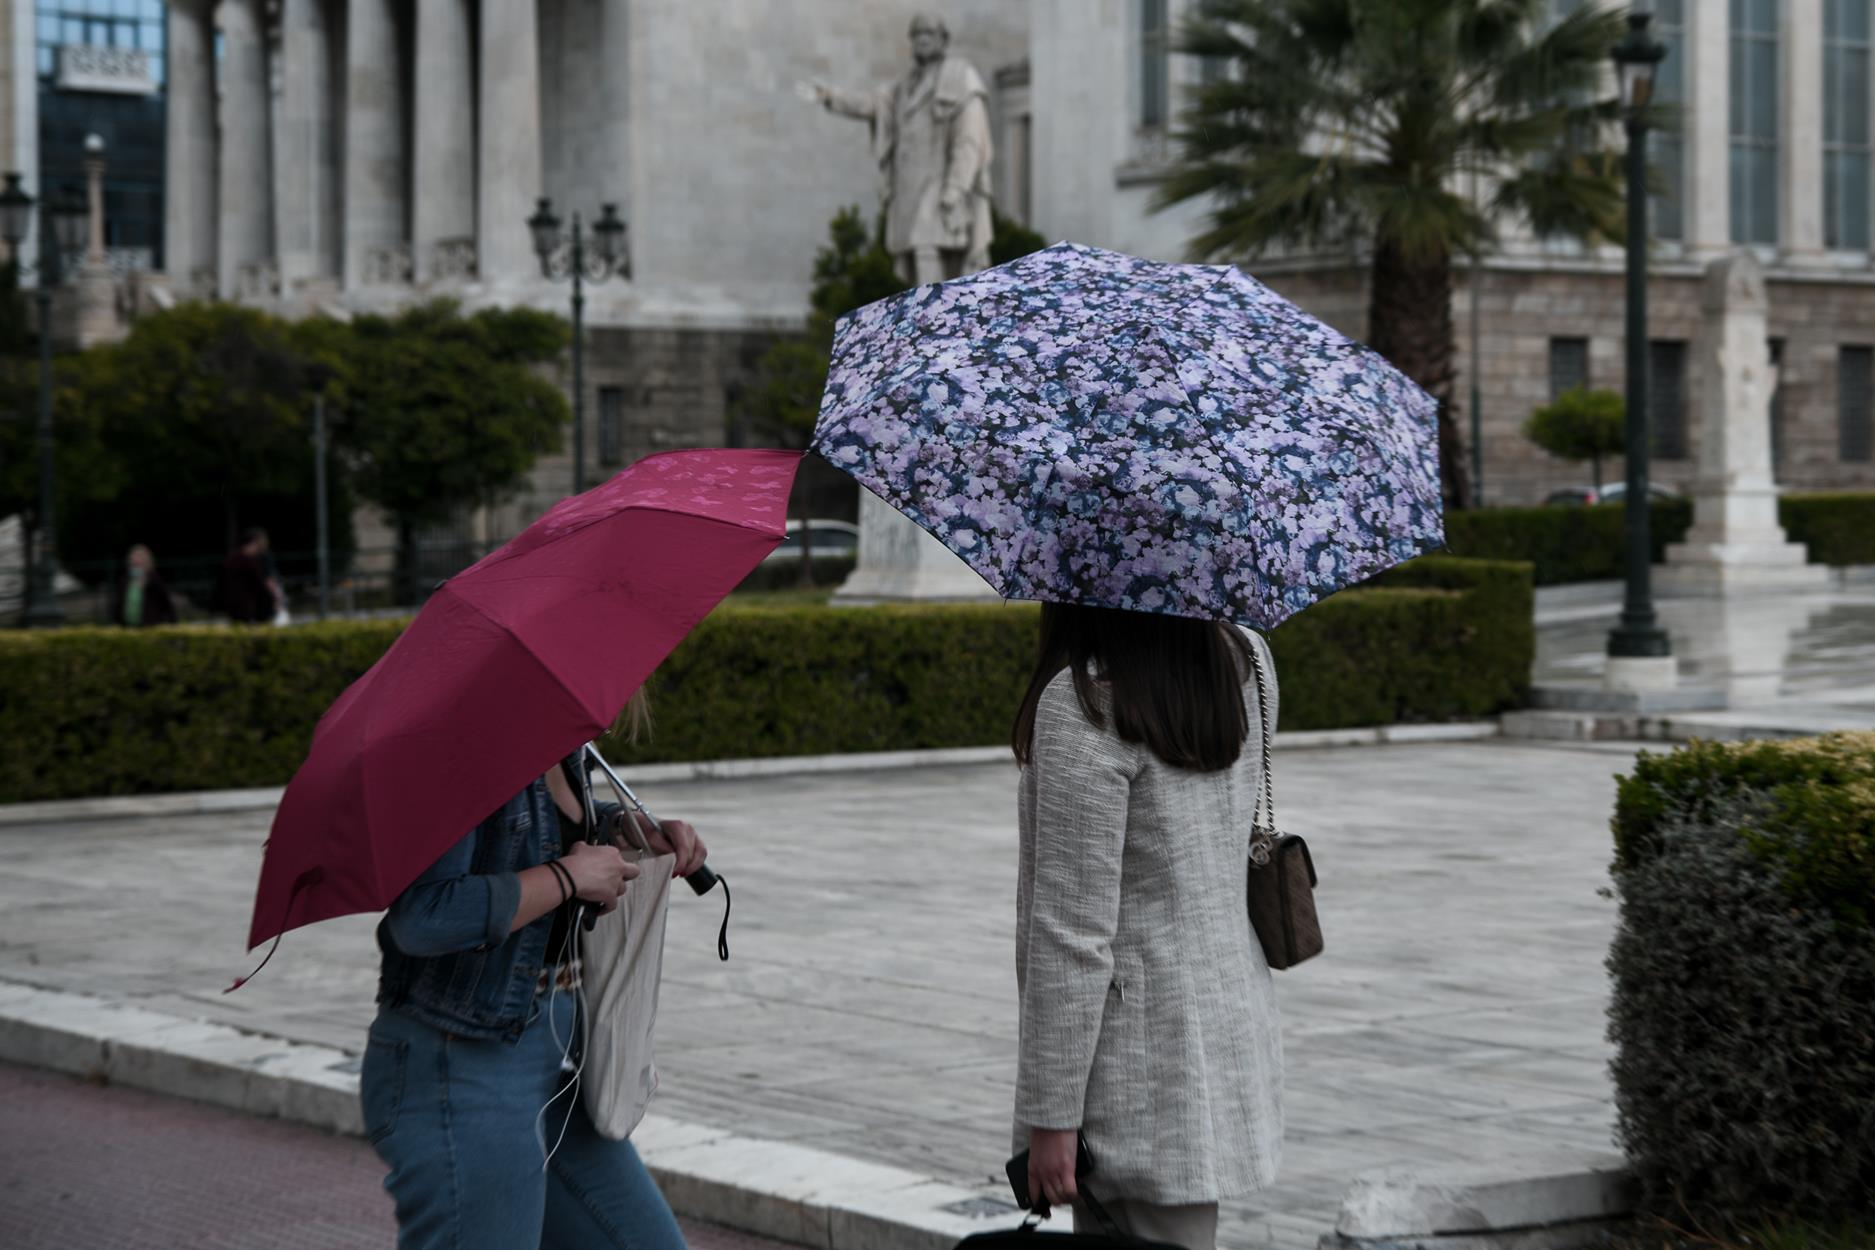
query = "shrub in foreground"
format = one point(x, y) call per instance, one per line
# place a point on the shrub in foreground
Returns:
point(1743, 1006)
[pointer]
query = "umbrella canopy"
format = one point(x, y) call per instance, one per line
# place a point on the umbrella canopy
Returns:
point(512, 664)
point(1085, 426)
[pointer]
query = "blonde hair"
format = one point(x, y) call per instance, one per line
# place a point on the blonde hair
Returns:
point(634, 719)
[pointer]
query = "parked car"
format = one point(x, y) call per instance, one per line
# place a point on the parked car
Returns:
point(1613, 492)
point(830, 538)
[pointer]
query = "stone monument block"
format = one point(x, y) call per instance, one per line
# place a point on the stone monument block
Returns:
point(1735, 544)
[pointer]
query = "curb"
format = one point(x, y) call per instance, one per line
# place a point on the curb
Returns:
point(206, 802)
point(775, 1189)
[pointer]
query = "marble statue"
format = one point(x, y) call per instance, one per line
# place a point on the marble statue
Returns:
point(931, 136)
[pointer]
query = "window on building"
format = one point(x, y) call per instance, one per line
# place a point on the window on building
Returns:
point(1665, 150)
point(98, 24)
point(1155, 64)
point(1855, 374)
point(1775, 348)
point(1568, 365)
point(1666, 397)
point(1846, 124)
point(611, 426)
point(1754, 121)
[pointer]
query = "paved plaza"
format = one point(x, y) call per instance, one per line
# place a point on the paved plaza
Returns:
point(868, 1007)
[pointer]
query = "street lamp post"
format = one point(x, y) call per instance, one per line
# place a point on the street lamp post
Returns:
point(68, 223)
point(563, 254)
point(1638, 636)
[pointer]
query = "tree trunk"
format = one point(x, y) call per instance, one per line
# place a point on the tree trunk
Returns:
point(1409, 321)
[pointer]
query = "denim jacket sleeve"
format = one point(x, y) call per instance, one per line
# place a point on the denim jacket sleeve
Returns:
point(450, 909)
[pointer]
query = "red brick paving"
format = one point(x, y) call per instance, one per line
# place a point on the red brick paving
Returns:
point(87, 1167)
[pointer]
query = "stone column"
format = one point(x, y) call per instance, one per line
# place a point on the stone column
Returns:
point(245, 203)
point(189, 156)
point(1735, 543)
point(303, 177)
point(374, 146)
point(443, 165)
point(1800, 207)
point(1708, 143)
point(508, 171)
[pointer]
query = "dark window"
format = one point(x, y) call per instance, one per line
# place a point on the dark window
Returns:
point(1666, 397)
point(1853, 370)
point(1155, 64)
point(611, 426)
point(1568, 365)
point(1776, 349)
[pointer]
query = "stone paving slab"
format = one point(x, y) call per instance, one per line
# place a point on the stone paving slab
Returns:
point(868, 1009)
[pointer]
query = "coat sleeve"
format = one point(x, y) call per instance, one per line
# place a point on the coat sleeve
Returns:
point(1082, 778)
point(450, 909)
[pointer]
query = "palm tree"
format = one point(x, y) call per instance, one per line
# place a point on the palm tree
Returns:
point(1362, 123)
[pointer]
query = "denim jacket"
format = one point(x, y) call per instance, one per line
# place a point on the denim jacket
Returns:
point(448, 957)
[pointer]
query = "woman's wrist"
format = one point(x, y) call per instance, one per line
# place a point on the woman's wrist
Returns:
point(564, 877)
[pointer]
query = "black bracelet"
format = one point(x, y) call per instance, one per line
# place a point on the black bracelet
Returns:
point(565, 877)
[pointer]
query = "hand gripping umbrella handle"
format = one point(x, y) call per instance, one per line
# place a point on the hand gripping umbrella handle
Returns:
point(701, 881)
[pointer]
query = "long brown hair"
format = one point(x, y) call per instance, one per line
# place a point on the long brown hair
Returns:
point(1176, 683)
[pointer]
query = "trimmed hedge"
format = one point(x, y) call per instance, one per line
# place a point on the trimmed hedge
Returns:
point(1744, 978)
point(99, 711)
point(1564, 544)
point(1839, 527)
point(1569, 544)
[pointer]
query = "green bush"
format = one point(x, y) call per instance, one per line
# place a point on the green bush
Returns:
point(97, 711)
point(1565, 544)
point(1838, 528)
point(1568, 544)
point(1818, 801)
point(1436, 639)
point(1743, 1009)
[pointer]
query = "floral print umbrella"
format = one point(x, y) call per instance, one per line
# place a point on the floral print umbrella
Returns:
point(1084, 426)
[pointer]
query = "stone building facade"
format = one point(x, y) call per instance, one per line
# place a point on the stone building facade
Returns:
point(1773, 154)
point(335, 156)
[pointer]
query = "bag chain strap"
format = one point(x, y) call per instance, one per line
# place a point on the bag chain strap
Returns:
point(1263, 832)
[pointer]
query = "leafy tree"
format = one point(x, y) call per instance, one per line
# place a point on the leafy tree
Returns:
point(194, 426)
point(435, 411)
point(853, 270)
point(1581, 425)
point(1362, 121)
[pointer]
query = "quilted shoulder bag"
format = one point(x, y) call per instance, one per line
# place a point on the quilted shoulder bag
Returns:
point(1281, 874)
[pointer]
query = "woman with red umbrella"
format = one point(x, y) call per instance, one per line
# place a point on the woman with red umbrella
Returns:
point(477, 719)
point(468, 1080)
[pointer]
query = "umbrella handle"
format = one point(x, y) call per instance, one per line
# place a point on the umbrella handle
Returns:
point(704, 879)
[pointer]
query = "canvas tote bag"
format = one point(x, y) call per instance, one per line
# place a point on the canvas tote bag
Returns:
point(621, 962)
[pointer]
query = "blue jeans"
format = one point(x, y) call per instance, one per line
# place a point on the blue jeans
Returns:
point(454, 1119)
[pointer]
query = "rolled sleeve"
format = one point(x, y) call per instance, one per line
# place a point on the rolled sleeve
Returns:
point(450, 909)
point(1082, 777)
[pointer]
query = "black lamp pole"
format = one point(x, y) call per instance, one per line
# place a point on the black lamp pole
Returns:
point(1638, 635)
point(61, 226)
point(564, 255)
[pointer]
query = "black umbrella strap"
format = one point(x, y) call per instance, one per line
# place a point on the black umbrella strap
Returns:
point(722, 936)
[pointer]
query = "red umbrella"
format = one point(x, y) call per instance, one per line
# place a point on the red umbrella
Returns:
point(512, 664)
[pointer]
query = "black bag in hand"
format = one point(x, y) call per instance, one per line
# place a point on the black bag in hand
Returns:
point(1026, 1236)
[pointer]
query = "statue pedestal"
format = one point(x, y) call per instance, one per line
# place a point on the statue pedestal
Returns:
point(1736, 545)
point(899, 562)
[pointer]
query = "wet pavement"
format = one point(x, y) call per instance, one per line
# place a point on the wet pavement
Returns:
point(106, 1168)
point(868, 1008)
point(1797, 651)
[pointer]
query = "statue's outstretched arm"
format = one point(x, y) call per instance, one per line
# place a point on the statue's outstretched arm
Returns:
point(861, 104)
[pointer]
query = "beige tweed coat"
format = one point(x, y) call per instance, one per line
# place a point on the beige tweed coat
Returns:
point(1147, 1015)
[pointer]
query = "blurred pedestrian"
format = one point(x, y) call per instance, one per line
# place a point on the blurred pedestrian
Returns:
point(1148, 1021)
point(142, 598)
point(247, 592)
